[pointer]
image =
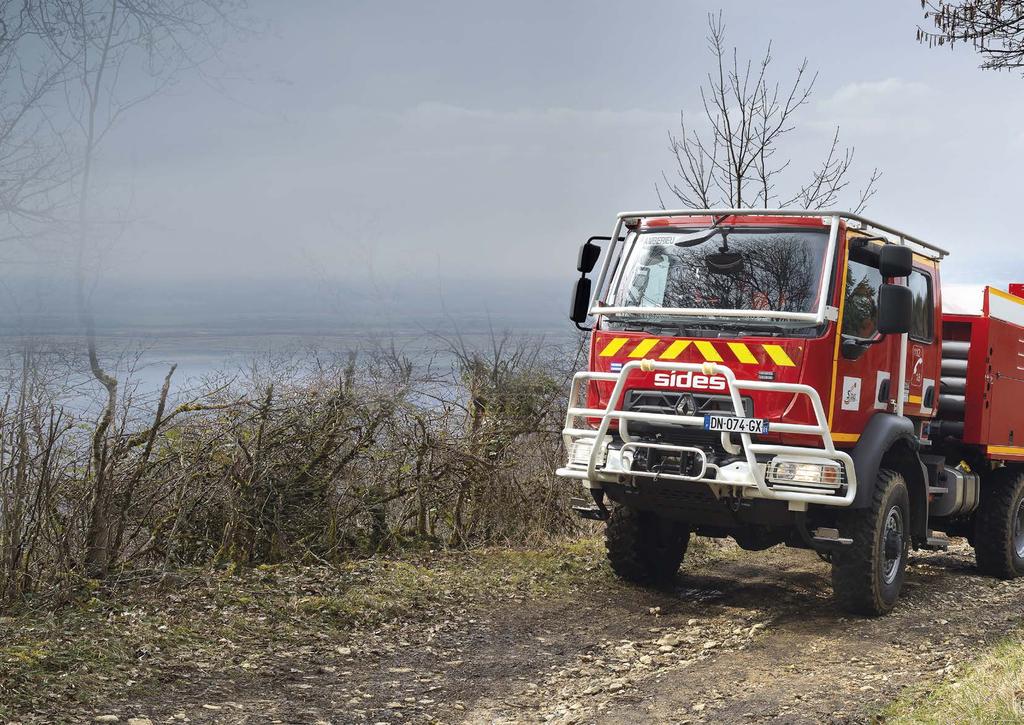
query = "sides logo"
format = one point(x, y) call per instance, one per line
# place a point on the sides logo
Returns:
point(851, 393)
point(689, 380)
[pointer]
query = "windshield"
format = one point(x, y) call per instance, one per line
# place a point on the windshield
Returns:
point(723, 269)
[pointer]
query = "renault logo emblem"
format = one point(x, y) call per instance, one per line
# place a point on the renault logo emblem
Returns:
point(686, 405)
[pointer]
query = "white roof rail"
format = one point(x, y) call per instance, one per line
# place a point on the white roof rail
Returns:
point(824, 214)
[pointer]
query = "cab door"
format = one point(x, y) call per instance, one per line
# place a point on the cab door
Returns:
point(867, 362)
point(924, 356)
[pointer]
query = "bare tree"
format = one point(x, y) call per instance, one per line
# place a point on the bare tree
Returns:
point(733, 158)
point(101, 46)
point(995, 28)
point(34, 164)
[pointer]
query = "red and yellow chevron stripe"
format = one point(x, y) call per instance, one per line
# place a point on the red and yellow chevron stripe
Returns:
point(737, 351)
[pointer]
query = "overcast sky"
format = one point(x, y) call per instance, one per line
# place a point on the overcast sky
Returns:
point(412, 141)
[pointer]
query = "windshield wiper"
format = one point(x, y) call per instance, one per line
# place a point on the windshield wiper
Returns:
point(751, 327)
point(652, 326)
point(695, 238)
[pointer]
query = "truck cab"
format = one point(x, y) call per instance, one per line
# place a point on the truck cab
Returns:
point(777, 377)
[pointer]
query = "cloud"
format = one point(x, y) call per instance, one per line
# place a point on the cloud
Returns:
point(889, 106)
point(875, 94)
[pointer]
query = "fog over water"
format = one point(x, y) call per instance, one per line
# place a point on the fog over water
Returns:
point(222, 333)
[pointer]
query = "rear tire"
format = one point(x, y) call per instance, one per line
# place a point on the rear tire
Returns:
point(643, 547)
point(868, 574)
point(999, 524)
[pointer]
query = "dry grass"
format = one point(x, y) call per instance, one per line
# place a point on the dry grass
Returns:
point(991, 690)
point(120, 642)
point(124, 639)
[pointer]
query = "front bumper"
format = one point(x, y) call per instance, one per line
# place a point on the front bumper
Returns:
point(746, 475)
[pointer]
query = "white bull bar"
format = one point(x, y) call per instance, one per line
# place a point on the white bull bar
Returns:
point(602, 466)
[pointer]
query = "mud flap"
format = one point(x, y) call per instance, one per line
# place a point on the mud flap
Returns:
point(822, 539)
point(595, 511)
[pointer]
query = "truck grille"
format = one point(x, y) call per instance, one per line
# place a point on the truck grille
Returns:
point(666, 402)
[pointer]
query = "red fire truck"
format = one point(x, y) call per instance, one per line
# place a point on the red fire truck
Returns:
point(790, 377)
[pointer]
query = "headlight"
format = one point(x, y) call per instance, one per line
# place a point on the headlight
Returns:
point(827, 475)
point(580, 450)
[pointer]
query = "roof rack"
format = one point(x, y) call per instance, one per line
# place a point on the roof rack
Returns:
point(829, 217)
point(823, 214)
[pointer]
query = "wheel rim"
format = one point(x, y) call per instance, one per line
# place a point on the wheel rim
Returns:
point(1018, 530)
point(892, 544)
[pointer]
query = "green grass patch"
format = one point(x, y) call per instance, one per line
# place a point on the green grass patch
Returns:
point(990, 690)
point(385, 589)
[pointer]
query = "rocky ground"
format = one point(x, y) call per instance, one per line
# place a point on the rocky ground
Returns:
point(740, 637)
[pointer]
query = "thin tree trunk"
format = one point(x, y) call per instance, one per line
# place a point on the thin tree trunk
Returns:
point(97, 542)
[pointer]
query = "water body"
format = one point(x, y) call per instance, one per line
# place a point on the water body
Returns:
point(203, 359)
point(224, 328)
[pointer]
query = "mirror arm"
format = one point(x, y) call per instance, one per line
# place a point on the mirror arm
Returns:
point(853, 348)
point(863, 241)
point(851, 340)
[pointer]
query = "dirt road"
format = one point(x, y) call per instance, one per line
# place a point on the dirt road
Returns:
point(740, 638)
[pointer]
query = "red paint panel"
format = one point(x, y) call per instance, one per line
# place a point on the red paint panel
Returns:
point(811, 365)
point(994, 413)
point(1004, 384)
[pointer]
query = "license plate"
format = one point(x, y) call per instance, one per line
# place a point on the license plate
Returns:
point(732, 424)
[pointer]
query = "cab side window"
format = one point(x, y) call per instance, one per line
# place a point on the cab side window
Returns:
point(860, 311)
point(922, 324)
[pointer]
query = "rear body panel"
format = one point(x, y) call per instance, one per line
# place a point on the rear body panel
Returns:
point(993, 413)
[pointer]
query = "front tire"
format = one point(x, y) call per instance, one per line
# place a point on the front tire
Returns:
point(868, 574)
point(643, 547)
point(999, 524)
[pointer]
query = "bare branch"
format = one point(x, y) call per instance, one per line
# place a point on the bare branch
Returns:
point(732, 159)
point(994, 28)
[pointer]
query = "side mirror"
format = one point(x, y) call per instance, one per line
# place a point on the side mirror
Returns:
point(589, 254)
point(579, 306)
point(895, 309)
point(895, 261)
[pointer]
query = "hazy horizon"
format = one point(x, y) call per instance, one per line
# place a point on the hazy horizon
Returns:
point(375, 162)
point(286, 306)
